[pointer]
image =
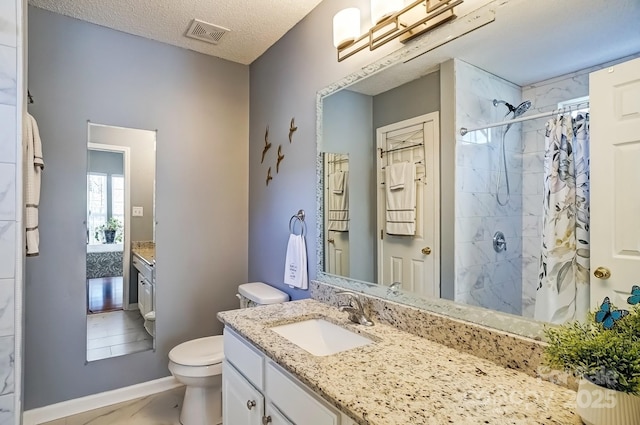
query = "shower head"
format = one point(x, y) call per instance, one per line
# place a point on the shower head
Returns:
point(521, 108)
point(516, 110)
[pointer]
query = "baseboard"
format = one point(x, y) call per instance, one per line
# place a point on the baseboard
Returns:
point(95, 401)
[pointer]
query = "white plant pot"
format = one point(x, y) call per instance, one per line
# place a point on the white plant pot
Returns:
point(602, 406)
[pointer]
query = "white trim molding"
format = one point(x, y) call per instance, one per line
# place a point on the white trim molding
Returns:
point(95, 401)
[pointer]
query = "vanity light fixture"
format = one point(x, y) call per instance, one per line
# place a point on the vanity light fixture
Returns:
point(392, 19)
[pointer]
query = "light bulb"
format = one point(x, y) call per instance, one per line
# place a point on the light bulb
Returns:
point(382, 9)
point(346, 27)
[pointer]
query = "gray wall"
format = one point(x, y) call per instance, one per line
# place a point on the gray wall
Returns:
point(284, 82)
point(348, 129)
point(415, 98)
point(142, 149)
point(199, 106)
point(11, 251)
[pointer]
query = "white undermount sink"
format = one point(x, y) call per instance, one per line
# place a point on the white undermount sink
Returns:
point(320, 337)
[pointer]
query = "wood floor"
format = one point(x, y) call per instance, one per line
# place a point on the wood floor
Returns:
point(104, 294)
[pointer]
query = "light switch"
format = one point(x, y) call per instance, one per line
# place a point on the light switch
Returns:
point(137, 212)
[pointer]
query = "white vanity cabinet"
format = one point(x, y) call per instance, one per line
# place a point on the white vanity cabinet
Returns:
point(145, 285)
point(242, 404)
point(256, 391)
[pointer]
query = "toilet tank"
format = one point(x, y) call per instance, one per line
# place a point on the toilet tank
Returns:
point(259, 293)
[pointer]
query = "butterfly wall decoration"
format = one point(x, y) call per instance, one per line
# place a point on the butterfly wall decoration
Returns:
point(607, 316)
point(635, 295)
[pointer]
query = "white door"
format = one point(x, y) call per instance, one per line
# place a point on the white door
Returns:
point(615, 160)
point(241, 403)
point(337, 242)
point(414, 260)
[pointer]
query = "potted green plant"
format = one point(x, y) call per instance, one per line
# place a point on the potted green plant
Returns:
point(111, 230)
point(604, 352)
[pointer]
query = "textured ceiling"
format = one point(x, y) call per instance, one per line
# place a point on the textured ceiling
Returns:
point(255, 24)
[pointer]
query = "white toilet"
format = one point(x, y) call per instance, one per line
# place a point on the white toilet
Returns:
point(198, 363)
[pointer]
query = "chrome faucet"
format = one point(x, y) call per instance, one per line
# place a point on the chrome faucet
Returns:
point(394, 288)
point(356, 314)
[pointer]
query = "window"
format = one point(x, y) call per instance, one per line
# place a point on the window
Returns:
point(117, 197)
point(96, 204)
point(105, 199)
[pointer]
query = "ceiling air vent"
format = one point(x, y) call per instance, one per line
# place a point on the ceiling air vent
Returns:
point(205, 31)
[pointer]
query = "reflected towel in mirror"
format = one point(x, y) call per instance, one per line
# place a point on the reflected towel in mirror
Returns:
point(401, 202)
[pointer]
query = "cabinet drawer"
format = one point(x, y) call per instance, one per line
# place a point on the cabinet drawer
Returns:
point(143, 268)
point(244, 358)
point(294, 401)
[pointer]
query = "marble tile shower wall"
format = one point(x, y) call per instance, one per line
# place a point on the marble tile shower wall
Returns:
point(484, 277)
point(544, 96)
point(9, 218)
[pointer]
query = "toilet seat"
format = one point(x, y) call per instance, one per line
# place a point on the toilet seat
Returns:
point(206, 351)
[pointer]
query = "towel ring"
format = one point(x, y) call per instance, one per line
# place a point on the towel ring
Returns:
point(297, 218)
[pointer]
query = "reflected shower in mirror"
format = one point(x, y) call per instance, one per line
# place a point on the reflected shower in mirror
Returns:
point(120, 238)
point(336, 198)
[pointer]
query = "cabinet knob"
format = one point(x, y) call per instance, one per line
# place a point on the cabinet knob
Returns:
point(251, 404)
point(266, 420)
point(602, 273)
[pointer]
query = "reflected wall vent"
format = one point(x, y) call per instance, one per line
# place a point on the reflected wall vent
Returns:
point(205, 31)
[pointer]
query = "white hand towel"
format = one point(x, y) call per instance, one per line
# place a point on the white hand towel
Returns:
point(396, 175)
point(34, 164)
point(295, 268)
point(337, 182)
point(401, 203)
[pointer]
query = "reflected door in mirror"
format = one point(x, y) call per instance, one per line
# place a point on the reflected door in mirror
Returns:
point(408, 205)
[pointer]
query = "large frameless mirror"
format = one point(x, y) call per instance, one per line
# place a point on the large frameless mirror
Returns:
point(120, 238)
point(476, 232)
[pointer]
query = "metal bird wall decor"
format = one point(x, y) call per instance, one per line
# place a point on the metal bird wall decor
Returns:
point(267, 144)
point(269, 178)
point(292, 129)
point(280, 158)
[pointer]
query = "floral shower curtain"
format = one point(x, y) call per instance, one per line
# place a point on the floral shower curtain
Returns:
point(563, 288)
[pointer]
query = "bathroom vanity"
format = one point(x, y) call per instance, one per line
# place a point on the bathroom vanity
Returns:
point(258, 391)
point(400, 378)
point(143, 261)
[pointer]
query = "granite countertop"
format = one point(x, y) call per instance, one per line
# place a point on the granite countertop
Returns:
point(402, 378)
point(148, 255)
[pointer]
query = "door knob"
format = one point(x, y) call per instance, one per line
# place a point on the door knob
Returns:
point(426, 250)
point(331, 240)
point(602, 273)
point(251, 404)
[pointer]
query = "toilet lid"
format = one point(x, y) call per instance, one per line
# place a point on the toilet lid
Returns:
point(199, 352)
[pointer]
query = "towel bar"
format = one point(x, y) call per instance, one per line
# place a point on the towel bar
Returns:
point(299, 217)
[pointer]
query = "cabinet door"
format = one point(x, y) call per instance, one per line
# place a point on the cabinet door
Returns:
point(141, 298)
point(242, 404)
point(275, 417)
point(300, 405)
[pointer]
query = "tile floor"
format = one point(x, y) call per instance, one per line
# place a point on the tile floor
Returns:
point(157, 409)
point(116, 333)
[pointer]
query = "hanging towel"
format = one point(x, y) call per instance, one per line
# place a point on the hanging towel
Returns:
point(34, 164)
point(337, 182)
point(401, 202)
point(397, 175)
point(338, 217)
point(295, 268)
